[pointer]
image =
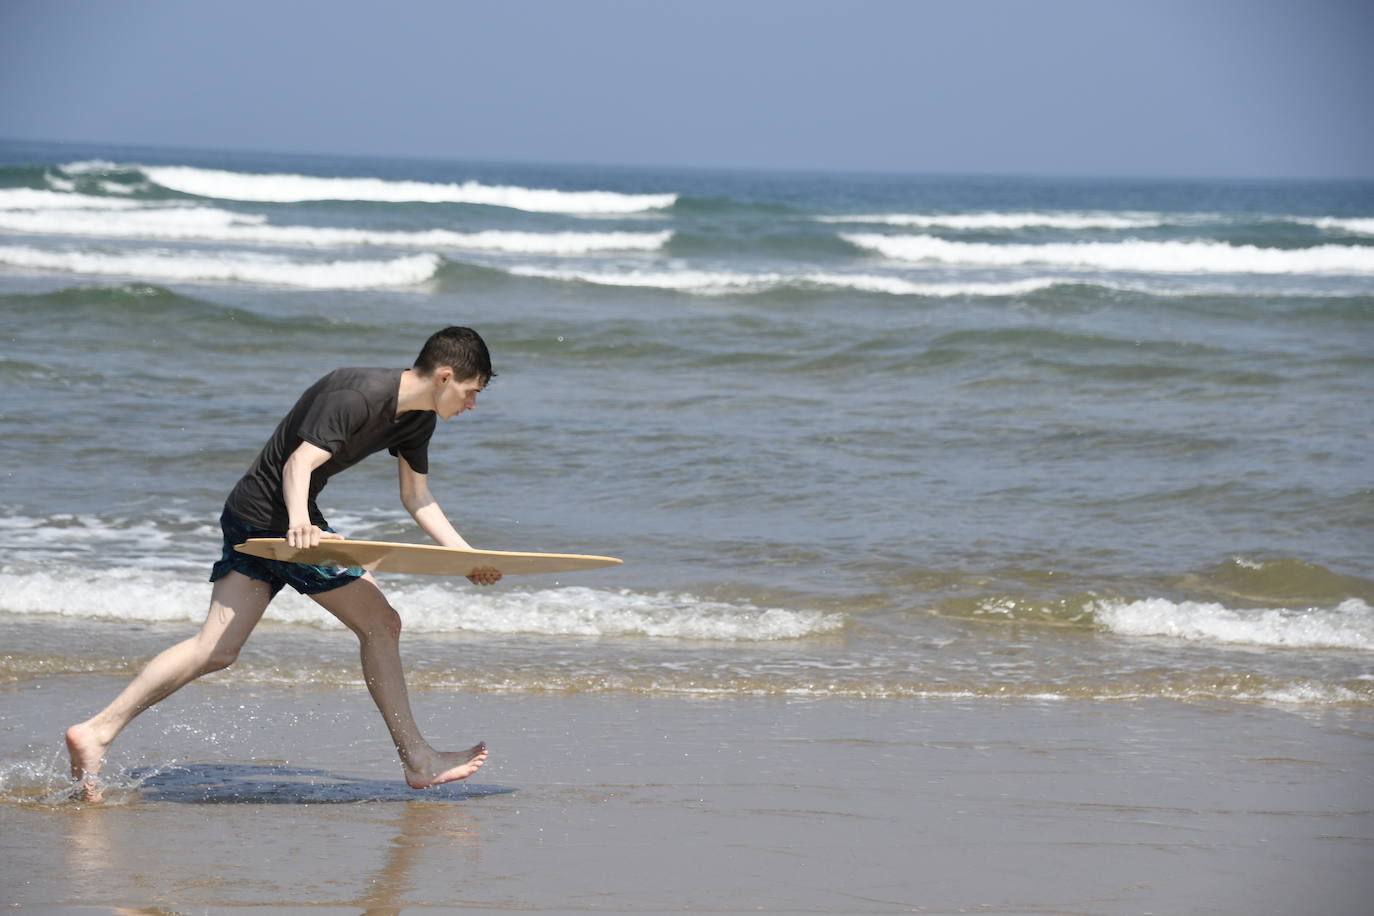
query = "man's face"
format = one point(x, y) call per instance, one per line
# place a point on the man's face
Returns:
point(457, 396)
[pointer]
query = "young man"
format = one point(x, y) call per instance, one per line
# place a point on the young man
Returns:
point(341, 419)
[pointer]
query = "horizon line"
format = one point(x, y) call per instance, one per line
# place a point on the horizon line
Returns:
point(753, 169)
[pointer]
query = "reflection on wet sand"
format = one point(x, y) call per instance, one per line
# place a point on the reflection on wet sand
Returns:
point(102, 862)
point(419, 826)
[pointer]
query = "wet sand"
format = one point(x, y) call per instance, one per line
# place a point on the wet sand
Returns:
point(242, 796)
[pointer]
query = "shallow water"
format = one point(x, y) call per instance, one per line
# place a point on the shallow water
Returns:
point(855, 436)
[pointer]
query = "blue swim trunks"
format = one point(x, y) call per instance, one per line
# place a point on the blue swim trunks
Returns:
point(304, 578)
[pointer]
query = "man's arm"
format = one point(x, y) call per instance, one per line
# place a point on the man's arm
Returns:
point(421, 505)
point(295, 480)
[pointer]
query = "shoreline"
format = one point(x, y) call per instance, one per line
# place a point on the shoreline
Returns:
point(614, 803)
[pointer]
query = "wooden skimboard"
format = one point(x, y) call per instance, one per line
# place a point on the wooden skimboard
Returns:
point(425, 559)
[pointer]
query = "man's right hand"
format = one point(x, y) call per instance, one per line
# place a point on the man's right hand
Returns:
point(303, 536)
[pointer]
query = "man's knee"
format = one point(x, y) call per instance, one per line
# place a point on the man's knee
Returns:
point(220, 656)
point(384, 624)
point(391, 623)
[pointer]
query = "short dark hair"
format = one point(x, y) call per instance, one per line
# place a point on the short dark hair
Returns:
point(461, 349)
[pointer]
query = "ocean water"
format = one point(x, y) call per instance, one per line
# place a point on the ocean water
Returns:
point(854, 435)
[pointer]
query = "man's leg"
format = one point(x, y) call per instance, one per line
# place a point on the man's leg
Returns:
point(363, 608)
point(236, 606)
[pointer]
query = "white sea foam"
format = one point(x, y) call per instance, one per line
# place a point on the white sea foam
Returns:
point(117, 594)
point(898, 286)
point(695, 281)
point(139, 541)
point(1007, 221)
point(112, 222)
point(211, 224)
point(706, 283)
point(36, 199)
point(578, 611)
point(288, 188)
point(1356, 225)
point(1133, 255)
point(138, 595)
point(1308, 693)
point(235, 267)
point(561, 243)
point(1012, 220)
point(1349, 625)
point(92, 166)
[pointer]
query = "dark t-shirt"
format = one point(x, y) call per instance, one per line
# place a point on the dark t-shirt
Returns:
point(350, 413)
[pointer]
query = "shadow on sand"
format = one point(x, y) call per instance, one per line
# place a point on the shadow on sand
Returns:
point(255, 784)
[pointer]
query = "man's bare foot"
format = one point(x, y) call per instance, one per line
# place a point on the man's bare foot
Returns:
point(447, 766)
point(87, 753)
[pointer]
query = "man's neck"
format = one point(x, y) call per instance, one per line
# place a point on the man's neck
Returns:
point(416, 392)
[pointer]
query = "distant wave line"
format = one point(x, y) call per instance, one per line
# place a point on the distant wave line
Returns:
point(1354, 225)
point(1131, 255)
point(1008, 221)
point(210, 224)
point(1014, 220)
point(724, 282)
point(291, 188)
point(37, 199)
point(265, 269)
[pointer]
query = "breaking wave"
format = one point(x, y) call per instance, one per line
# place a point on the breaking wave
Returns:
point(1349, 625)
point(234, 267)
point(289, 188)
point(127, 594)
point(1356, 226)
point(704, 282)
point(1006, 221)
point(38, 199)
point(1140, 256)
point(1124, 220)
point(210, 224)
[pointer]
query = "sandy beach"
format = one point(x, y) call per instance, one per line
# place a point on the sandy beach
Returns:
point(234, 796)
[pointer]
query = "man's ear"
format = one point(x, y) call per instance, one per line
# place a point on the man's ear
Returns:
point(443, 375)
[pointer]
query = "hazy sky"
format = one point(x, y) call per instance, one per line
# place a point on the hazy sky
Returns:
point(1070, 87)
